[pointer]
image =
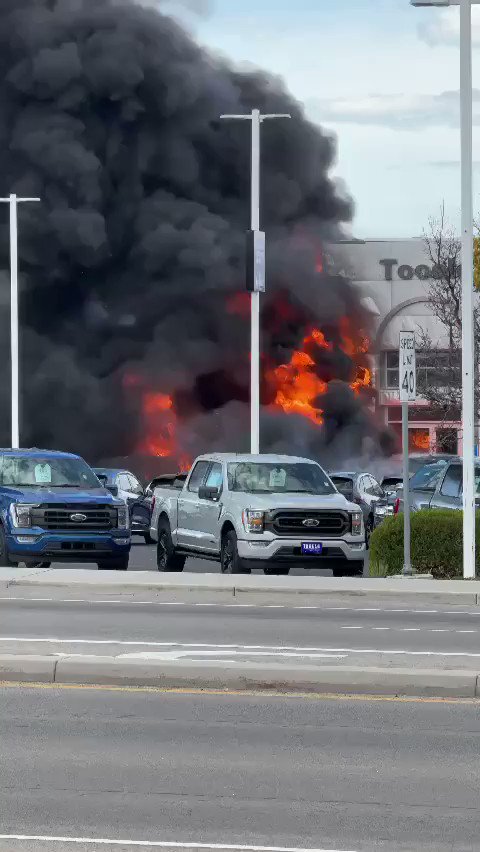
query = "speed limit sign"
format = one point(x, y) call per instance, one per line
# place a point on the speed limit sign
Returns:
point(407, 372)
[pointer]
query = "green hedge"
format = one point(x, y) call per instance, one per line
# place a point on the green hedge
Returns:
point(436, 544)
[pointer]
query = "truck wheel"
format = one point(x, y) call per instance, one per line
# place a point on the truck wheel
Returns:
point(167, 559)
point(279, 570)
point(120, 564)
point(349, 569)
point(229, 559)
point(38, 564)
point(5, 561)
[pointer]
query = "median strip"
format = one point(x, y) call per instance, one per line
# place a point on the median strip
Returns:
point(238, 675)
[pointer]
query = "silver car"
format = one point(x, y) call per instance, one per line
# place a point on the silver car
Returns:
point(424, 486)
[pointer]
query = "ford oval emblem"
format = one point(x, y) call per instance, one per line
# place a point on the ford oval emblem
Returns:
point(311, 522)
point(78, 518)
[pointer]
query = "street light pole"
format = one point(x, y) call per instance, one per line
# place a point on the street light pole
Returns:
point(468, 342)
point(256, 119)
point(13, 200)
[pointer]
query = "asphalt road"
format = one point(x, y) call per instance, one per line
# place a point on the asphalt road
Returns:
point(361, 635)
point(143, 558)
point(241, 770)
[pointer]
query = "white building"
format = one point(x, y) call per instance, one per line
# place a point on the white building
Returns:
point(393, 276)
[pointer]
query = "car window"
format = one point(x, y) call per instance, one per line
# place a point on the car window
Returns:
point(45, 471)
point(343, 484)
point(278, 478)
point(123, 482)
point(197, 476)
point(215, 477)
point(376, 489)
point(451, 485)
point(135, 486)
point(427, 477)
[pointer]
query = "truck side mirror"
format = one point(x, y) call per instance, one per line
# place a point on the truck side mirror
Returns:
point(206, 493)
point(113, 490)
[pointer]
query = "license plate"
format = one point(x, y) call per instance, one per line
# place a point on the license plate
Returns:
point(312, 548)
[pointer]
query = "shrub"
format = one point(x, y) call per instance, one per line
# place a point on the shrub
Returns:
point(436, 544)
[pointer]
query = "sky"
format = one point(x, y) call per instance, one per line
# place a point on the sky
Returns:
point(382, 76)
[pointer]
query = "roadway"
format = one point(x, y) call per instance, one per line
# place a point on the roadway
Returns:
point(143, 558)
point(164, 770)
point(52, 621)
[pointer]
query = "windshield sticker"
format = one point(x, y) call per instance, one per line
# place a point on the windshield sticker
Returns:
point(43, 473)
point(278, 478)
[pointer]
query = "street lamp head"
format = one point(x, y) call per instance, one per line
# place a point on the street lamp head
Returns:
point(433, 3)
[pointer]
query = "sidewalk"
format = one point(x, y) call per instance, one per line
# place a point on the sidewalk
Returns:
point(243, 587)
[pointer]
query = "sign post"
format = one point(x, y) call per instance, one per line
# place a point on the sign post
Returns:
point(407, 385)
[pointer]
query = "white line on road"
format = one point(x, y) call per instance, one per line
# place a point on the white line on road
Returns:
point(157, 844)
point(97, 602)
point(237, 648)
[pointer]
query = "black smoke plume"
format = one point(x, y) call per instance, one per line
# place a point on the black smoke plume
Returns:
point(110, 113)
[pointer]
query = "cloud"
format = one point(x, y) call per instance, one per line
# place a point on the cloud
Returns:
point(399, 112)
point(442, 27)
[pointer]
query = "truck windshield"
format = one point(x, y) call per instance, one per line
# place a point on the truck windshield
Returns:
point(427, 477)
point(47, 471)
point(269, 478)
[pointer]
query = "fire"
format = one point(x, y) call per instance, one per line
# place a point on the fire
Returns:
point(298, 385)
point(420, 439)
point(160, 424)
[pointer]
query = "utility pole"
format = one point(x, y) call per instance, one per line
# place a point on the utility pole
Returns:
point(257, 273)
point(13, 200)
point(468, 344)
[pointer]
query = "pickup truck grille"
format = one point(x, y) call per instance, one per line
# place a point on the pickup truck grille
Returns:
point(58, 516)
point(295, 523)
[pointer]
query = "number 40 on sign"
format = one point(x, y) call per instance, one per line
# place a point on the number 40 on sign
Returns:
point(407, 372)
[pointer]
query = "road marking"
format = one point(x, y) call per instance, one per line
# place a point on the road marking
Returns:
point(240, 693)
point(158, 844)
point(276, 649)
point(353, 627)
point(179, 655)
point(381, 628)
point(239, 606)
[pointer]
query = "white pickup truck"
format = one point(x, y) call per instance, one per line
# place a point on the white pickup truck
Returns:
point(266, 511)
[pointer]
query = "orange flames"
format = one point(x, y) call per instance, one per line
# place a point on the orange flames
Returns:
point(160, 424)
point(298, 386)
point(295, 387)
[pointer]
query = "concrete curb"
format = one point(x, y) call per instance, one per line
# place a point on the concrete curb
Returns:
point(263, 589)
point(27, 668)
point(111, 671)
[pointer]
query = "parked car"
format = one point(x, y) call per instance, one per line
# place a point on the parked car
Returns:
point(131, 491)
point(363, 489)
point(390, 483)
point(54, 508)
point(445, 491)
point(257, 511)
point(422, 485)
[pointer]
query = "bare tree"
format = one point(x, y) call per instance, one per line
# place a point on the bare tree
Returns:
point(443, 390)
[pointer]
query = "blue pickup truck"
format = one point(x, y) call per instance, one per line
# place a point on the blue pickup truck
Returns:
point(54, 509)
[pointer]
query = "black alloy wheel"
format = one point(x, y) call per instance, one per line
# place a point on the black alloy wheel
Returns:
point(167, 558)
point(230, 562)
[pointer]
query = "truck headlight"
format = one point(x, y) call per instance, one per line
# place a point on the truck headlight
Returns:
point(253, 521)
point(123, 518)
point(21, 514)
point(356, 523)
